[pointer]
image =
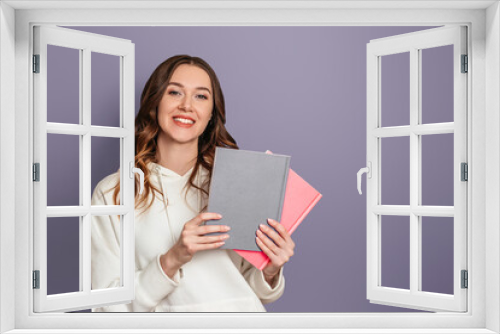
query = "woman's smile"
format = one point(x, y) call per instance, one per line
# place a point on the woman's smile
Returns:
point(183, 122)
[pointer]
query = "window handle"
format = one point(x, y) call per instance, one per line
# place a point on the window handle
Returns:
point(368, 171)
point(133, 170)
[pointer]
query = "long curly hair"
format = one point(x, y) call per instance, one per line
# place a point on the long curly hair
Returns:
point(147, 129)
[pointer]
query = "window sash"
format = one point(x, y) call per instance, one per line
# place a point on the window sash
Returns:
point(413, 43)
point(86, 43)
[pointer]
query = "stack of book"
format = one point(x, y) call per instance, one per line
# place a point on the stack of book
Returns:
point(249, 187)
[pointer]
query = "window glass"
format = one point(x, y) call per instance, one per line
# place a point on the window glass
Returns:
point(437, 169)
point(109, 225)
point(105, 157)
point(395, 255)
point(63, 85)
point(437, 84)
point(395, 171)
point(395, 89)
point(437, 254)
point(63, 255)
point(105, 76)
point(63, 170)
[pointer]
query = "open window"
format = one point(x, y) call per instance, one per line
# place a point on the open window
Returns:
point(404, 142)
point(408, 126)
point(16, 146)
point(62, 191)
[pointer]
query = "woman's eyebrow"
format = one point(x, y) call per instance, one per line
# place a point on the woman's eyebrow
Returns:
point(182, 86)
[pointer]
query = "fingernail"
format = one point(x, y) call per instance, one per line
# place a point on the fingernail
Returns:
point(224, 237)
point(269, 220)
point(227, 228)
point(263, 226)
point(219, 215)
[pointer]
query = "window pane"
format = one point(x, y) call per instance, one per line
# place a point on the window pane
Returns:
point(106, 252)
point(395, 89)
point(437, 84)
point(63, 85)
point(105, 161)
point(63, 255)
point(63, 170)
point(395, 241)
point(105, 90)
point(395, 171)
point(437, 169)
point(437, 254)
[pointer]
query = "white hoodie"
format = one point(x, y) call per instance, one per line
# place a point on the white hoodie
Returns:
point(213, 281)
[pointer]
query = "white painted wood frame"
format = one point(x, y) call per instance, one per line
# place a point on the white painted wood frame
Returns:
point(414, 43)
point(482, 17)
point(85, 43)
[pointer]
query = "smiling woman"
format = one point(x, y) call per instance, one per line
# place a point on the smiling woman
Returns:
point(178, 267)
point(184, 106)
point(273, 103)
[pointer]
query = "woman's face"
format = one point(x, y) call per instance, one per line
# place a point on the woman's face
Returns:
point(186, 105)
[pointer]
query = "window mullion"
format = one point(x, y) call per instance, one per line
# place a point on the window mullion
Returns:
point(127, 155)
point(414, 172)
point(86, 166)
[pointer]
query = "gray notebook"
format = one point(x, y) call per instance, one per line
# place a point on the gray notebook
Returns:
point(247, 188)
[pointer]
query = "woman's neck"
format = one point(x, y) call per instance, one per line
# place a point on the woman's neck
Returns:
point(178, 157)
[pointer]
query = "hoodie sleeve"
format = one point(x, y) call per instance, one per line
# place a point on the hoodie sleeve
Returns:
point(255, 278)
point(151, 283)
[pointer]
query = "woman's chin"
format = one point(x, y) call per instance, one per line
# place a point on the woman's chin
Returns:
point(182, 137)
point(184, 140)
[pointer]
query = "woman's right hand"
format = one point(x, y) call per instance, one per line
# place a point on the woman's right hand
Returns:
point(193, 240)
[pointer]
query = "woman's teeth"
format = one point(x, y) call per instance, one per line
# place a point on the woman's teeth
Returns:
point(183, 120)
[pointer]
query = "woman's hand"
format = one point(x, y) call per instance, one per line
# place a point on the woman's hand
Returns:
point(193, 240)
point(277, 246)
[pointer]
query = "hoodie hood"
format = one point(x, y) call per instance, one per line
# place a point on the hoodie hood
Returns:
point(164, 171)
point(166, 178)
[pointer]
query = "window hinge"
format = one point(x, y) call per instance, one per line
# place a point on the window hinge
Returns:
point(36, 63)
point(36, 172)
point(36, 279)
point(465, 171)
point(465, 279)
point(465, 64)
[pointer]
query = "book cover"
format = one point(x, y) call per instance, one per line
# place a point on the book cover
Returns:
point(300, 198)
point(247, 187)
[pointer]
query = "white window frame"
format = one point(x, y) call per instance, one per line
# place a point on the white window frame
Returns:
point(414, 44)
point(85, 44)
point(483, 21)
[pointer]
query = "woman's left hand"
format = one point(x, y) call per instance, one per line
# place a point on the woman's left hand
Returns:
point(277, 246)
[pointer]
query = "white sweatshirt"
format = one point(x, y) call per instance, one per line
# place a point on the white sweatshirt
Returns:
point(213, 281)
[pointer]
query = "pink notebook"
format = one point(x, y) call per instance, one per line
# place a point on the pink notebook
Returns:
point(300, 198)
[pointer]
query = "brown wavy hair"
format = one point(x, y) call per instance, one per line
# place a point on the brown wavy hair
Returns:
point(147, 129)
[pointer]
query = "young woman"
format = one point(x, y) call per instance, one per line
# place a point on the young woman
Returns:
point(178, 267)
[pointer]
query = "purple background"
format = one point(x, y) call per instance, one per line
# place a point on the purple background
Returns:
point(299, 91)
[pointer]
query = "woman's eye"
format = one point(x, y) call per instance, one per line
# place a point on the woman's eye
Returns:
point(203, 97)
point(173, 92)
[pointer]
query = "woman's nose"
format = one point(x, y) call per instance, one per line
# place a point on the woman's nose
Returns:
point(185, 103)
